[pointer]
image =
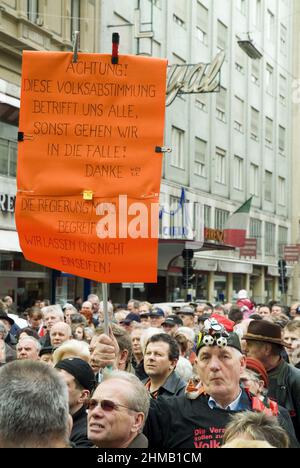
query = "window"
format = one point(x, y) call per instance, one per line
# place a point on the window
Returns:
point(254, 180)
point(257, 13)
point(207, 216)
point(200, 157)
point(238, 114)
point(222, 36)
point(32, 10)
point(220, 166)
point(269, 131)
point(220, 218)
point(268, 186)
point(202, 101)
point(281, 139)
point(254, 124)
point(175, 216)
point(221, 104)
point(270, 239)
point(281, 191)
point(178, 20)
point(241, 6)
point(255, 232)
point(8, 157)
point(75, 17)
point(283, 39)
point(269, 79)
point(177, 148)
point(240, 58)
point(282, 239)
point(282, 89)
point(270, 26)
point(180, 13)
point(202, 23)
point(255, 72)
point(238, 176)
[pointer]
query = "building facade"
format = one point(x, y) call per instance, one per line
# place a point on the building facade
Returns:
point(32, 25)
point(229, 145)
point(226, 146)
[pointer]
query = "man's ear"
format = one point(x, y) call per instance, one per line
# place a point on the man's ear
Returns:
point(123, 356)
point(84, 396)
point(138, 422)
point(173, 364)
point(243, 363)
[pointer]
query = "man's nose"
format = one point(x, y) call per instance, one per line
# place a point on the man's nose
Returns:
point(214, 363)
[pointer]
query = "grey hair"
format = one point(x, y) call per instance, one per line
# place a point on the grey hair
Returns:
point(36, 343)
point(138, 399)
point(34, 405)
point(56, 308)
point(3, 330)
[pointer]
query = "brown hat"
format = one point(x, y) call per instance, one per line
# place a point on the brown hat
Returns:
point(263, 330)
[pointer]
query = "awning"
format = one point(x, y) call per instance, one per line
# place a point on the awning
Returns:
point(235, 267)
point(9, 241)
point(169, 249)
point(11, 101)
point(273, 271)
point(205, 265)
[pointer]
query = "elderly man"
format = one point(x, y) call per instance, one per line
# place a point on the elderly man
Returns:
point(37, 416)
point(264, 342)
point(117, 412)
point(187, 316)
point(176, 423)
point(59, 333)
point(52, 314)
point(28, 348)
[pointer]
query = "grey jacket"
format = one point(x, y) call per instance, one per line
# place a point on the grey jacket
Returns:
point(173, 386)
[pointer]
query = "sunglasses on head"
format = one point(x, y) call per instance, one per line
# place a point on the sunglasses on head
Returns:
point(106, 405)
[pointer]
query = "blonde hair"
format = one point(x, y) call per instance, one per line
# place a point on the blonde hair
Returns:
point(257, 426)
point(243, 443)
point(72, 348)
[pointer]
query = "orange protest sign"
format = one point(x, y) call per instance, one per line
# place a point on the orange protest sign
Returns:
point(88, 175)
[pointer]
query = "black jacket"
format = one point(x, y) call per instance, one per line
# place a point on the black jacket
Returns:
point(79, 431)
point(284, 387)
point(181, 423)
point(173, 386)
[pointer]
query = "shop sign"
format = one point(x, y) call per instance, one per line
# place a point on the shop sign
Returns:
point(7, 202)
point(194, 79)
point(214, 235)
point(291, 253)
point(249, 249)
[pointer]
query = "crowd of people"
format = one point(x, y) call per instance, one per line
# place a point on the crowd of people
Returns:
point(195, 376)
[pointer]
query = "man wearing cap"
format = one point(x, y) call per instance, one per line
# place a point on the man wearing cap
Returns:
point(127, 323)
point(80, 380)
point(199, 423)
point(46, 355)
point(264, 342)
point(157, 317)
point(8, 323)
point(171, 324)
point(187, 314)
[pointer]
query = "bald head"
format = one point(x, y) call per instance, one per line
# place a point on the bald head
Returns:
point(59, 333)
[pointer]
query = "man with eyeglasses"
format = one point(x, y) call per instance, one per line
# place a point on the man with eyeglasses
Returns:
point(199, 422)
point(117, 412)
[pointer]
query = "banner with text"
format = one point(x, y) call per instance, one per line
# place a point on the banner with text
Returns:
point(88, 174)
